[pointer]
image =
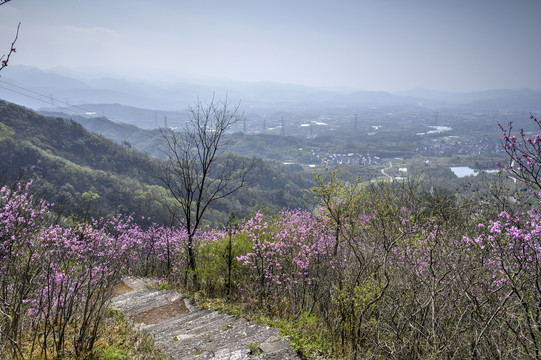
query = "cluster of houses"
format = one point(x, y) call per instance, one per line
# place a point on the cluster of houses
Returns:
point(455, 146)
point(344, 158)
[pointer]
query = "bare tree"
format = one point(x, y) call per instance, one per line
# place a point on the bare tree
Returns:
point(198, 170)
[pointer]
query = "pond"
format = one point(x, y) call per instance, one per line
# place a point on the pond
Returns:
point(463, 171)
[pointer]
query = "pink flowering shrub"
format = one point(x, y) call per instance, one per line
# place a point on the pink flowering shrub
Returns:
point(20, 216)
point(524, 154)
point(290, 258)
point(404, 281)
point(509, 251)
point(79, 267)
point(54, 278)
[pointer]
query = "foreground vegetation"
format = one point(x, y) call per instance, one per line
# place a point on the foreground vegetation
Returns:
point(379, 270)
point(55, 282)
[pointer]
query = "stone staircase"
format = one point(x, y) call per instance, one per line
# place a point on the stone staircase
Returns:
point(183, 331)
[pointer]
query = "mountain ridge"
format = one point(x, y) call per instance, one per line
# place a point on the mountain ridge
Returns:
point(52, 86)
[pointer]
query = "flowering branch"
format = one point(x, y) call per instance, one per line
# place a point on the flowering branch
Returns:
point(4, 59)
point(524, 152)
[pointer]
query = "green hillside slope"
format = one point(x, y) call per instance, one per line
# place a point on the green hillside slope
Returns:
point(85, 174)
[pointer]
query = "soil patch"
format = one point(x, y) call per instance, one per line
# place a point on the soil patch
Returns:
point(121, 289)
point(161, 313)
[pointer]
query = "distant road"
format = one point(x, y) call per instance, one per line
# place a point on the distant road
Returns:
point(387, 168)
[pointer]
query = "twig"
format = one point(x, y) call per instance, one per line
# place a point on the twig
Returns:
point(4, 62)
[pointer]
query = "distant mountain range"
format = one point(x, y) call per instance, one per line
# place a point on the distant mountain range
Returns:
point(490, 100)
point(57, 90)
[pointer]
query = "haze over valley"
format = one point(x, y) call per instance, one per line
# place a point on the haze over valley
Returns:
point(355, 74)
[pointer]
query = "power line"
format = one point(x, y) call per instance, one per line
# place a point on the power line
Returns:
point(46, 102)
point(68, 107)
point(20, 93)
point(20, 87)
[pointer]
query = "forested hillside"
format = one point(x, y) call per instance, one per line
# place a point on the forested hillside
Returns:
point(88, 175)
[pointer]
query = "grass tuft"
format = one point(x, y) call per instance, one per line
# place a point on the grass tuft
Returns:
point(119, 341)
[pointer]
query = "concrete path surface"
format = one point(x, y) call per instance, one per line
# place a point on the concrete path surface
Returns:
point(183, 331)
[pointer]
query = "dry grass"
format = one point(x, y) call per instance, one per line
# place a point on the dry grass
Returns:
point(119, 341)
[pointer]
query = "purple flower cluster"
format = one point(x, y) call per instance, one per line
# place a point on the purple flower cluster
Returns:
point(289, 253)
point(53, 278)
point(524, 154)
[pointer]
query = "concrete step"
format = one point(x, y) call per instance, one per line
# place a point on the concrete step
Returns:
point(138, 301)
point(183, 331)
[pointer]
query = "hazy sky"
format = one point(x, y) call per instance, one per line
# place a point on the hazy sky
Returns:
point(392, 45)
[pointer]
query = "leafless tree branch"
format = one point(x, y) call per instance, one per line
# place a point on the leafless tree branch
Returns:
point(4, 59)
point(197, 169)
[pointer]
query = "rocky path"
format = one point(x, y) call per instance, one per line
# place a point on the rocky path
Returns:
point(183, 331)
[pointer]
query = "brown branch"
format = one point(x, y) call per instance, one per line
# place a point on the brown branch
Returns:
point(4, 62)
